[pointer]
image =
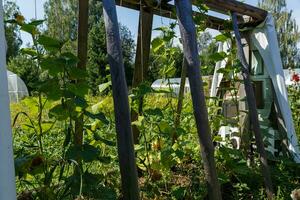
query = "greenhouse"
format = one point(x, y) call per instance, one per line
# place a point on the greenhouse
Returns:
point(16, 87)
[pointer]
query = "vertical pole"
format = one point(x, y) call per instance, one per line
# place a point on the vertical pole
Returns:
point(35, 10)
point(252, 110)
point(82, 55)
point(180, 98)
point(141, 59)
point(126, 155)
point(7, 169)
point(143, 46)
point(190, 49)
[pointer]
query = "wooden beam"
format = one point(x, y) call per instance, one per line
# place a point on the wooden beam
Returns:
point(141, 61)
point(168, 11)
point(143, 47)
point(130, 189)
point(83, 16)
point(180, 99)
point(190, 49)
point(253, 111)
point(226, 6)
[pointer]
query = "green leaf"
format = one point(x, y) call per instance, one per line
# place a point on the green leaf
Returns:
point(31, 29)
point(49, 43)
point(104, 86)
point(70, 59)
point(100, 116)
point(155, 111)
point(29, 51)
point(79, 89)
point(218, 56)
point(53, 65)
point(59, 112)
point(22, 164)
point(142, 90)
point(36, 22)
point(138, 122)
point(157, 43)
point(88, 153)
point(81, 102)
point(97, 137)
point(77, 73)
point(51, 89)
point(222, 37)
point(178, 192)
point(165, 127)
point(106, 193)
point(11, 21)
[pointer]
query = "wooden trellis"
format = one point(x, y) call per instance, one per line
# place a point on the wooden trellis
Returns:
point(182, 11)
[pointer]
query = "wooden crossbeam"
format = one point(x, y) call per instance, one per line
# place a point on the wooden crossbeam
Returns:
point(226, 6)
point(167, 10)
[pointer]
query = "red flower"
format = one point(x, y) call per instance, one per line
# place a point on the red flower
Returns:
point(295, 77)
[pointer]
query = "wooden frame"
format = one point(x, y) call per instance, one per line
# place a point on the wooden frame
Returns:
point(255, 15)
point(184, 15)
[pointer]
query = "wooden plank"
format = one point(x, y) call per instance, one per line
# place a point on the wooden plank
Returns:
point(225, 6)
point(141, 60)
point(168, 11)
point(143, 47)
point(190, 49)
point(83, 16)
point(180, 99)
point(253, 111)
point(126, 154)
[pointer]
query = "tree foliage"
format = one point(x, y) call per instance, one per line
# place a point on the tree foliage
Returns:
point(287, 30)
point(62, 23)
point(12, 32)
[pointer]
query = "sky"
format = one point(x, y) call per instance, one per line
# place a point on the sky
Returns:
point(126, 16)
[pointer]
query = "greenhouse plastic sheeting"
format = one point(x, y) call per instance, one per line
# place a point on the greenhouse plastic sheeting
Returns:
point(172, 84)
point(264, 38)
point(16, 87)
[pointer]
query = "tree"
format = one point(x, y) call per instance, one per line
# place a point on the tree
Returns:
point(287, 29)
point(207, 47)
point(61, 23)
point(12, 32)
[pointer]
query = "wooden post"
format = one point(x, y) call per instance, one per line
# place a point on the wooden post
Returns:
point(190, 49)
point(7, 168)
point(141, 59)
point(180, 98)
point(252, 110)
point(126, 155)
point(82, 55)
